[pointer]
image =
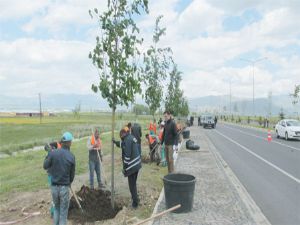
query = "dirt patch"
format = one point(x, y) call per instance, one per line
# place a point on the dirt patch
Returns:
point(96, 205)
point(146, 159)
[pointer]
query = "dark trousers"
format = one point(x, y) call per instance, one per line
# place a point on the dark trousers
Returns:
point(133, 189)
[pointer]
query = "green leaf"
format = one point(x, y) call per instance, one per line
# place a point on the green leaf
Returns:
point(94, 88)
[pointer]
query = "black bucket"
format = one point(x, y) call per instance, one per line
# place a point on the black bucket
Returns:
point(186, 134)
point(179, 189)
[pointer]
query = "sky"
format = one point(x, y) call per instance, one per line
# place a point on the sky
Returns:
point(44, 45)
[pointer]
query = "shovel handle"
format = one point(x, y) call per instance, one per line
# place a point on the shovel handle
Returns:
point(76, 199)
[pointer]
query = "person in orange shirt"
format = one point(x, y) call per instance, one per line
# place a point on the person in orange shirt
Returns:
point(152, 127)
point(94, 146)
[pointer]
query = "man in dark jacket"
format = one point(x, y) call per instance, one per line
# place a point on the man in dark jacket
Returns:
point(170, 139)
point(61, 163)
point(131, 159)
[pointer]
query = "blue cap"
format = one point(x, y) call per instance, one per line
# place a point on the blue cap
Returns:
point(67, 136)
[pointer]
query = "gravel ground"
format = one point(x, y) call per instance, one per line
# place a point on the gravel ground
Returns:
point(216, 200)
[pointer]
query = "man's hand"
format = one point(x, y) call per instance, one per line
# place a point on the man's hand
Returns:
point(47, 147)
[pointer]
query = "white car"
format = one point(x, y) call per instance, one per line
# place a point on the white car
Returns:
point(288, 128)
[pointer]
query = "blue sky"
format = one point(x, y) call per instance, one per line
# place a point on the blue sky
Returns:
point(44, 45)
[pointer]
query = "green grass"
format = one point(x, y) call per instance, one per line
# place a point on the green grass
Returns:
point(24, 172)
point(24, 132)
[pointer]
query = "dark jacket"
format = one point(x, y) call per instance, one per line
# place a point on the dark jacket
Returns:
point(61, 165)
point(136, 131)
point(130, 155)
point(170, 136)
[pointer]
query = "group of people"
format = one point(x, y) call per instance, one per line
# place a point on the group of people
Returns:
point(60, 162)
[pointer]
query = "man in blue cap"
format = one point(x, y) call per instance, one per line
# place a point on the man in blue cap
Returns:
point(61, 164)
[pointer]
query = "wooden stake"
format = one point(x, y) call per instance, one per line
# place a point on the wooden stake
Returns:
point(159, 214)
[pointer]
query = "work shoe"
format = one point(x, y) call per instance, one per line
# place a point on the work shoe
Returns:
point(134, 205)
point(52, 210)
point(101, 186)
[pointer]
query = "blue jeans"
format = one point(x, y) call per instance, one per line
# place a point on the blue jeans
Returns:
point(60, 197)
point(94, 166)
point(52, 204)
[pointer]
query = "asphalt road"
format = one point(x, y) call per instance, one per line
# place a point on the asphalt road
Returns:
point(270, 171)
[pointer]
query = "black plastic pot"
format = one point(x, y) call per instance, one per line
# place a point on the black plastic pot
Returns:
point(185, 134)
point(179, 189)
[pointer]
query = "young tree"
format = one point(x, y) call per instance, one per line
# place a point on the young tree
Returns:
point(76, 110)
point(156, 62)
point(175, 102)
point(114, 57)
point(296, 94)
point(139, 109)
point(281, 114)
point(183, 107)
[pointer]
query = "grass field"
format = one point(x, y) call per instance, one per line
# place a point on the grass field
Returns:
point(24, 172)
point(19, 133)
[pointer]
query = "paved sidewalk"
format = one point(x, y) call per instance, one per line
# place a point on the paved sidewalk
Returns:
point(219, 197)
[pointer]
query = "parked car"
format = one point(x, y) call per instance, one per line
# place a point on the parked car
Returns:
point(208, 121)
point(288, 129)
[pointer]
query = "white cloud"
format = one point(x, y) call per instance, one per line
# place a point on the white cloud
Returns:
point(29, 64)
point(49, 66)
point(61, 14)
point(236, 7)
point(14, 9)
point(202, 83)
point(200, 17)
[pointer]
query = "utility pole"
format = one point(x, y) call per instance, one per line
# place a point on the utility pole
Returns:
point(230, 96)
point(40, 100)
point(253, 63)
point(270, 104)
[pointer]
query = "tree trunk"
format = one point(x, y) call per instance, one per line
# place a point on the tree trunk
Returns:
point(113, 158)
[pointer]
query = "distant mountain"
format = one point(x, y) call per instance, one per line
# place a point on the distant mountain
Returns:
point(244, 106)
point(59, 102)
point(92, 102)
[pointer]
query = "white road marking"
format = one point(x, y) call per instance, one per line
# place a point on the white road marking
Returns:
point(261, 158)
point(253, 135)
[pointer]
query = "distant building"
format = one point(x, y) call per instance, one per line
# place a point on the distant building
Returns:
point(23, 114)
point(7, 114)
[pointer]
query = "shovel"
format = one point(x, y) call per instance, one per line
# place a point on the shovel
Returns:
point(76, 199)
point(102, 170)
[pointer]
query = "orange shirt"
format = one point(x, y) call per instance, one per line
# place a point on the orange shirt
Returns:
point(96, 142)
point(151, 140)
point(152, 127)
point(160, 136)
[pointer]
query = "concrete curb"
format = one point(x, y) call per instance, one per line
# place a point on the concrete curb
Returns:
point(245, 197)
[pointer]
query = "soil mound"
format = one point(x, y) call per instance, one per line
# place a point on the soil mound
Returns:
point(96, 205)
